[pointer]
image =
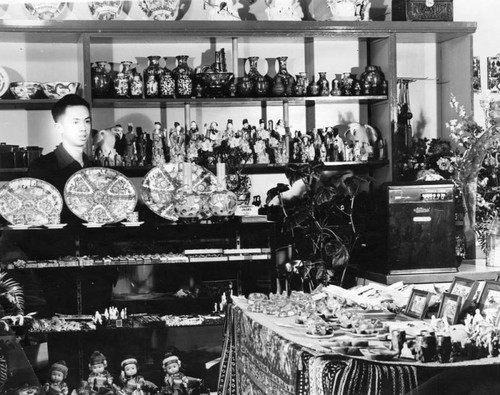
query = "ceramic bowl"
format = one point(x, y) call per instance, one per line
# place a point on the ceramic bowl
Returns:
point(160, 10)
point(45, 10)
point(106, 10)
point(59, 89)
point(25, 90)
point(215, 79)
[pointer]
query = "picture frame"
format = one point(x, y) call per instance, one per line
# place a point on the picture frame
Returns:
point(465, 288)
point(450, 308)
point(490, 297)
point(418, 304)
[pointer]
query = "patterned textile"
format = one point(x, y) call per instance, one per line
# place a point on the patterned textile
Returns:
point(227, 368)
point(267, 364)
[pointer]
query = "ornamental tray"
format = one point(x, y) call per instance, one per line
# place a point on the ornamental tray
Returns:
point(30, 202)
point(161, 183)
point(100, 195)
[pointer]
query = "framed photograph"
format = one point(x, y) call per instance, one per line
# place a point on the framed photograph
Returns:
point(418, 304)
point(489, 302)
point(465, 288)
point(450, 308)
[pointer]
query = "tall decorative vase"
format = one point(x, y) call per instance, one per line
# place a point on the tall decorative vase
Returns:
point(253, 73)
point(188, 203)
point(222, 203)
point(167, 82)
point(102, 82)
point(152, 75)
point(286, 77)
point(183, 75)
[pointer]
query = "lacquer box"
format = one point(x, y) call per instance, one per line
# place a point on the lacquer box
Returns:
point(422, 10)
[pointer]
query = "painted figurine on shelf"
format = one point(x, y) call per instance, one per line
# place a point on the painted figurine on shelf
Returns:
point(230, 132)
point(175, 381)
point(131, 382)
point(56, 384)
point(280, 128)
point(100, 380)
point(213, 132)
point(194, 133)
point(176, 143)
point(158, 153)
point(130, 138)
point(142, 143)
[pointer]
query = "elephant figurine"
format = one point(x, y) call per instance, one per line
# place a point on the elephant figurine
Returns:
point(361, 133)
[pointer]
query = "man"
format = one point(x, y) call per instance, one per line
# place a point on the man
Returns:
point(72, 120)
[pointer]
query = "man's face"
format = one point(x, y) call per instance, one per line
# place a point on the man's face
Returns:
point(56, 377)
point(75, 126)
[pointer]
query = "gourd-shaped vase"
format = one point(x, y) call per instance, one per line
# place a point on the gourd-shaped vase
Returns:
point(102, 82)
point(253, 73)
point(183, 75)
point(167, 82)
point(152, 75)
point(324, 85)
point(286, 77)
point(188, 203)
point(222, 203)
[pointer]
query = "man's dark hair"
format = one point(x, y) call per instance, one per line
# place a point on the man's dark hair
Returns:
point(70, 100)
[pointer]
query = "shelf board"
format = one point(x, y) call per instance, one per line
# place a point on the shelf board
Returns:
point(173, 30)
point(233, 101)
point(141, 171)
point(33, 104)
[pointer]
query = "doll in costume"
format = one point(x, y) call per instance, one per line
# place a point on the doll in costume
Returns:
point(175, 380)
point(56, 384)
point(131, 382)
point(100, 380)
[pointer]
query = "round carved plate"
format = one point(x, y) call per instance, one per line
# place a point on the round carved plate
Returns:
point(100, 195)
point(29, 201)
point(4, 81)
point(160, 185)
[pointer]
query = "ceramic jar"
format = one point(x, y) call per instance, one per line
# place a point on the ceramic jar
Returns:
point(222, 203)
point(313, 89)
point(188, 204)
point(336, 88)
point(278, 88)
point(324, 85)
point(253, 73)
point(239, 184)
point(102, 82)
point(346, 84)
point(244, 87)
point(160, 10)
point(286, 77)
point(121, 84)
point(136, 86)
point(105, 10)
point(167, 82)
point(183, 75)
point(371, 81)
point(261, 86)
point(152, 75)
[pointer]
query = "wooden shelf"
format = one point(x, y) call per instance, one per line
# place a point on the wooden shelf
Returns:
point(172, 30)
point(141, 171)
point(233, 101)
point(33, 104)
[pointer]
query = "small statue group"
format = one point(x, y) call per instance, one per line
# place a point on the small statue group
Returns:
point(130, 382)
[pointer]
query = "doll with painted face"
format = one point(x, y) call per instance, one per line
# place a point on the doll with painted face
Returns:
point(100, 380)
point(56, 384)
point(175, 381)
point(131, 382)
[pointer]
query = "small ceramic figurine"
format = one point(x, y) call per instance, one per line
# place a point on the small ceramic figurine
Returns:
point(132, 383)
point(130, 138)
point(56, 384)
point(104, 143)
point(158, 153)
point(100, 381)
point(175, 380)
point(176, 143)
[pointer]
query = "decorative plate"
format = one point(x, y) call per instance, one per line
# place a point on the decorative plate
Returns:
point(4, 81)
point(29, 201)
point(160, 185)
point(100, 195)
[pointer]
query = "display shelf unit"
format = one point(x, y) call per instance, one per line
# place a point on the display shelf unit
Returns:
point(374, 43)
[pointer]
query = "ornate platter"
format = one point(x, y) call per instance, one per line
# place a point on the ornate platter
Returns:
point(29, 201)
point(4, 81)
point(100, 195)
point(160, 185)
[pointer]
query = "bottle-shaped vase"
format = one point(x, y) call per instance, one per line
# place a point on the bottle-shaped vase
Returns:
point(183, 75)
point(324, 85)
point(222, 203)
point(102, 82)
point(287, 78)
point(188, 204)
point(167, 82)
point(152, 77)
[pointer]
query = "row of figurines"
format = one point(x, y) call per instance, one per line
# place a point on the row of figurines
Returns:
point(184, 82)
point(129, 382)
point(262, 144)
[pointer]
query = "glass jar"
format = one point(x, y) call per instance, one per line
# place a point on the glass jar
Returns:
point(188, 204)
point(222, 203)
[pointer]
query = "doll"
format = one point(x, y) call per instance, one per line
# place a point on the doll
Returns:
point(100, 381)
point(158, 153)
point(176, 143)
point(56, 385)
point(132, 383)
point(175, 381)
